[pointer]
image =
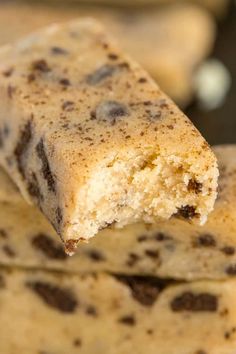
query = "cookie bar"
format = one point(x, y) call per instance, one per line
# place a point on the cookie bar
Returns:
point(174, 249)
point(56, 313)
point(153, 37)
point(89, 137)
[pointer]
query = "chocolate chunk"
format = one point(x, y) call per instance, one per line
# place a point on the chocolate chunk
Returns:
point(22, 146)
point(48, 247)
point(228, 250)
point(54, 296)
point(41, 65)
point(33, 187)
point(189, 301)
point(9, 251)
point(231, 269)
point(144, 289)
point(205, 240)
point(96, 256)
point(58, 51)
point(194, 186)
point(91, 310)
point(187, 212)
point(200, 351)
point(128, 320)
point(46, 171)
point(101, 74)
point(111, 111)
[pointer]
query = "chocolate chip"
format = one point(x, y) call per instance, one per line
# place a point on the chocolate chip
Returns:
point(33, 187)
point(91, 310)
point(194, 186)
point(189, 301)
point(160, 236)
point(68, 106)
point(152, 253)
point(41, 65)
point(77, 342)
point(95, 255)
point(228, 250)
point(187, 212)
point(8, 72)
point(142, 238)
point(70, 246)
point(9, 251)
point(200, 351)
point(49, 247)
point(3, 233)
point(65, 82)
point(144, 289)
point(142, 80)
point(205, 240)
point(133, 259)
point(113, 56)
point(45, 169)
point(127, 320)
point(101, 74)
point(111, 111)
point(59, 216)
point(231, 269)
point(55, 296)
point(58, 51)
point(22, 146)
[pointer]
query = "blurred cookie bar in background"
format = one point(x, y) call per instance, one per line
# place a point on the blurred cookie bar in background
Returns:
point(170, 42)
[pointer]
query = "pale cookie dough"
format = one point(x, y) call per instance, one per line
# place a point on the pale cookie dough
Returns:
point(102, 314)
point(89, 137)
point(170, 42)
point(174, 249)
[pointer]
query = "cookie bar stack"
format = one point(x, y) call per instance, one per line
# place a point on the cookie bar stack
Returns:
point(91, 141)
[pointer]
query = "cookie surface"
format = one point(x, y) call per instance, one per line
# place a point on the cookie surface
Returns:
point(56, 313)
point(174, 249)
point(84, 129)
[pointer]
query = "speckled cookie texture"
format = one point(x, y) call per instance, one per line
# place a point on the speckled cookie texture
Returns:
point(152, 36)
point(91, 139)
point(104, 314)
point(174, 249)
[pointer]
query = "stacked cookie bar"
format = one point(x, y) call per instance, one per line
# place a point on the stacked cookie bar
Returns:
point(169, 42)
point(91, 141)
